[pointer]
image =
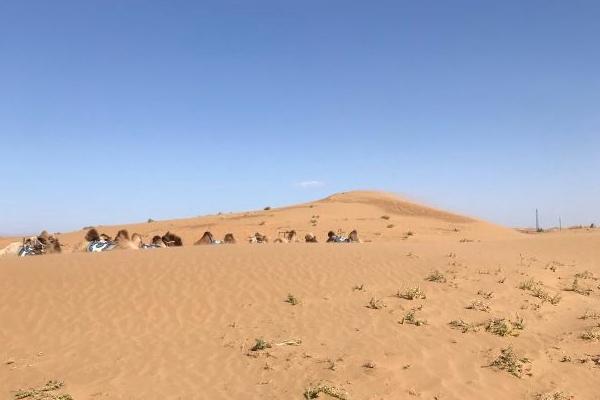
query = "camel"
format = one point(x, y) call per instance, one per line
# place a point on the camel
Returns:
point(207, 238)
point(258, 238)
point(44, 243)
point(172, 240)
point(332, 237)
point(310, 238)
point(96, 242)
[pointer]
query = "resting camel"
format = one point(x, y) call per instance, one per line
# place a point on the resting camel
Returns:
point(310, 238)
point(288, 237)
point(258, 238)
point(229, 239)
point(97, 242)
point(172, 240)
point(208, 238)
point(332, 237)
point(35, 245)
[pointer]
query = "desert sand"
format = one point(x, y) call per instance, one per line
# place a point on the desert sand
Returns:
point(181, 323)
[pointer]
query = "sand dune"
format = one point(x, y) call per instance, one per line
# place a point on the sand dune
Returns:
point(179, 323)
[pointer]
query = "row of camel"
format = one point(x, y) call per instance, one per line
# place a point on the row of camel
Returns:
point(94, 241)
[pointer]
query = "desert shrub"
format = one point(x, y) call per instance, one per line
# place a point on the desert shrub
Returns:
point(411, 293)
point(505, 327)
point(577, 288)
point(260, 344)
point(592, 334)
point(479, 306)
point(553, 396)
point(410, 318)
point(293, 300)
point(464, 326)
point(508, 361)
point(590, 315)
point(375, 304)
point(313, 391)
point(436, 276)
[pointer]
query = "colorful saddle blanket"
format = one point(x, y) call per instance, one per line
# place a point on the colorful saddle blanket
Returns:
point(29, 250)
point(100, 245)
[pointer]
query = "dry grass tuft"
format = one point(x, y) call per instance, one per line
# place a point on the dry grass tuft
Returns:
point(293, 300)
point(536, 290)
point(508, 361)
point(465, 326)
point(478, 305)
point(575, 287)
point(436, 276)
point(485, 295)
point(375, 304)
point(260, 344)
point(411, 319)
point(553, 396)
point(411, 293)
point(43, 393)
point(590, 315)
point(313, 391)
point(592, 334)
point(505, 327)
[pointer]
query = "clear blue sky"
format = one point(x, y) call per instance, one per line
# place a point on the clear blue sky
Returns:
point(117, 111)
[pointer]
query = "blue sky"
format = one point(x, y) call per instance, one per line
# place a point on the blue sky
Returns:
point(117, 111)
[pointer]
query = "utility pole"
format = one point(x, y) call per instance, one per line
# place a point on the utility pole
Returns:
point(559, 224)
point(537, 221)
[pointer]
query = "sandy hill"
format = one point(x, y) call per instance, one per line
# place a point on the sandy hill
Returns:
point(427, 316)
point(378, 217)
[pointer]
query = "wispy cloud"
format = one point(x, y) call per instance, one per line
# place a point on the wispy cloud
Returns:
point(310, 184)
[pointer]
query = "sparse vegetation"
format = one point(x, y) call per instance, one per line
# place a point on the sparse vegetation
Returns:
point(150, 220)
point(575, 287)
point(436, 276)
point(590, 315)
point(508, 361)
point(465, 326)
point(267, 208)
point(260, 344)
point(293, 300)
point(410, 317)
point(43, 393)
point(313, 391)
point(535, 289)
point(369, 364)
point(585, 275)
point(505, 327)
point(478, 305)
point(375, 304)
point(360, 288)
point(386, 217)
point(553, 396)
point(592, 334)
point(411, 293)
point(485, 295)
point(390, 226)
